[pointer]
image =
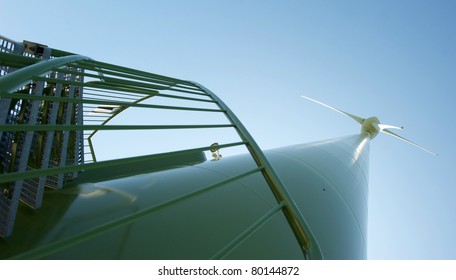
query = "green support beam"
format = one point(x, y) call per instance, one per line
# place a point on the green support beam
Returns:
point(10, 177)
point(57, 127)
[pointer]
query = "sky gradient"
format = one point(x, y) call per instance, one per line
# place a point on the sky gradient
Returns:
point(391, 59)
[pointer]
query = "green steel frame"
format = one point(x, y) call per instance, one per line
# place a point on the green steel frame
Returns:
point(102, 84)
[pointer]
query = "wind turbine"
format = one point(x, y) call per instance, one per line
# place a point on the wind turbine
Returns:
point(302, 201)
point(372, 125)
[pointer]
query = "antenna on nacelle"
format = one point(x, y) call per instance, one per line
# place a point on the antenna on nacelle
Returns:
point(372, 125)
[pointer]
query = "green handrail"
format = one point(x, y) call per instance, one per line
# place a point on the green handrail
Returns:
point(236, 242)
point(291, 211)
point(102, 102)
point(20, 77)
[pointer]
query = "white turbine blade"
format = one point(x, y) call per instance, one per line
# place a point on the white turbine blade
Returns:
point(386, 126)
point(408, 141)
point(356, 118)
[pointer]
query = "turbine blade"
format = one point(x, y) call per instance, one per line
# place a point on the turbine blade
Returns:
point(386, 126)
point(408, 141)
point(356, 118)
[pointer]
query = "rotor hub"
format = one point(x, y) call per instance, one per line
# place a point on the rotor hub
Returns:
point(371, 126)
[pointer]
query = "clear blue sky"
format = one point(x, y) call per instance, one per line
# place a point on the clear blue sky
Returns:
point(392, 59)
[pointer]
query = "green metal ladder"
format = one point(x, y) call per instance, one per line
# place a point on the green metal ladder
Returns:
point(61, 94)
